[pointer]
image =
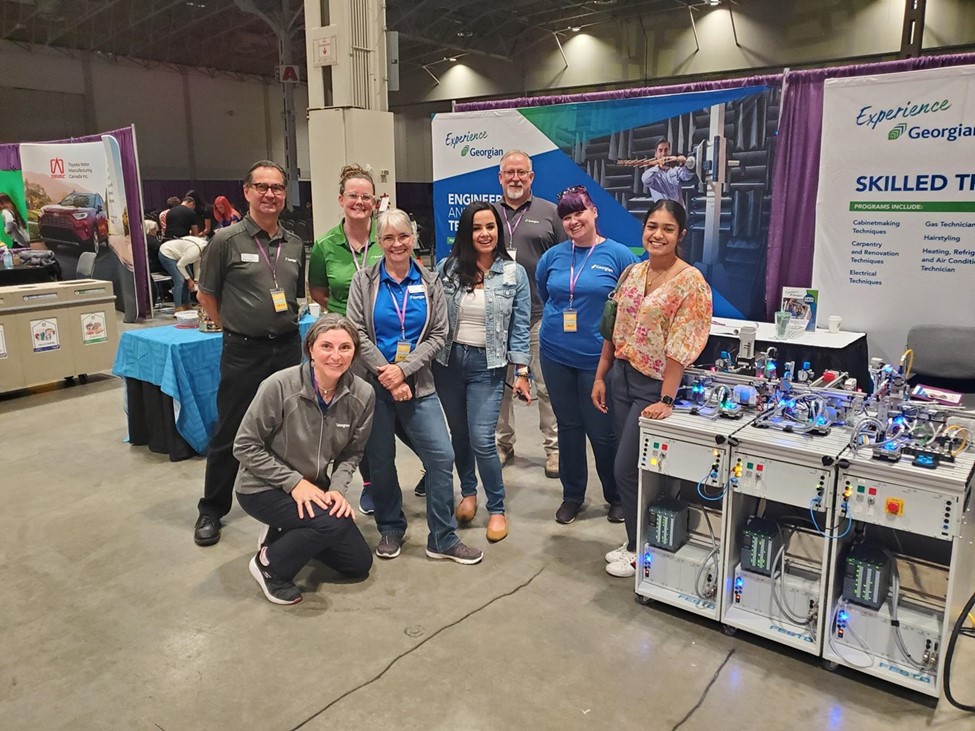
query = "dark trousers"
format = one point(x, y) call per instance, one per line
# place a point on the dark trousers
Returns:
point(336, 542)
point(244, 364)
point(630, 392)
point(570, 391)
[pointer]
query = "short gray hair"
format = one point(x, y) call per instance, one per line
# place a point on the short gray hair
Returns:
point(395, 219)
point(331, 321)
point(512, 153)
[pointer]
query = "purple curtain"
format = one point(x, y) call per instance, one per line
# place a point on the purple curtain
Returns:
point(142, 307)
point(795, 178)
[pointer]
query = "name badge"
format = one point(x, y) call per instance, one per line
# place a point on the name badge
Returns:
point(512, 252)
point(415, 289)
point(250, 257)
point(403, 349)
point(569, 321)
point(279, 300)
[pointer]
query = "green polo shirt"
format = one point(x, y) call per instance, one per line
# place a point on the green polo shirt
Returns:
point(331, 264)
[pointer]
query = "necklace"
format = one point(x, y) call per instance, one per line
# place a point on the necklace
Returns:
point(657, 276)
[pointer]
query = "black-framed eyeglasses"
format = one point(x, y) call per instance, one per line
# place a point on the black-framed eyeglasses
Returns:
point(263, 188)
point(573, 189)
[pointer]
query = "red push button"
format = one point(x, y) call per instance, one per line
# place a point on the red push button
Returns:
point(895, 506)
point(873, 491)
point(759, 467)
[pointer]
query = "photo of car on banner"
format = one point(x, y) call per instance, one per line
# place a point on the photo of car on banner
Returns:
point(79, 219)
point(712, 151)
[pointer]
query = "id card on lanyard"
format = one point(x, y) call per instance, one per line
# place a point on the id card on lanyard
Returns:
point(403, 347)
point(512, 227)
point(278, 297)
point(570, 321)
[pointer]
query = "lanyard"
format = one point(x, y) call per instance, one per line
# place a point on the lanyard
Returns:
point(512, 228)
point(365, 255)
point(573, 277)
point(267, 259)
point(400, 313)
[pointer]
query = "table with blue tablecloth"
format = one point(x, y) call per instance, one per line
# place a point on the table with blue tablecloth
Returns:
point(172, 375)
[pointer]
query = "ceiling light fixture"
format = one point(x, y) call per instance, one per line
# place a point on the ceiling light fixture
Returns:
point(714, 2)
point(574, 28)
point(451, 58)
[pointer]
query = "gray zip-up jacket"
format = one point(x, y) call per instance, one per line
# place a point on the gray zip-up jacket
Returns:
point(362, 302)
point(285, 436)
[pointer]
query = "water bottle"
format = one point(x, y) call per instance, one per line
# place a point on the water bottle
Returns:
point(8, 259)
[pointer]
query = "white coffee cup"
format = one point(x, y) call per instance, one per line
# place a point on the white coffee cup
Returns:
point(315, 310)
point(834, 323)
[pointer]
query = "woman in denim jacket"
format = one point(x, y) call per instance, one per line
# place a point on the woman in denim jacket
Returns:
point(489, 314)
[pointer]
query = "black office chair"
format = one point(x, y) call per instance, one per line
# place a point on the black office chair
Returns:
point(944, 357)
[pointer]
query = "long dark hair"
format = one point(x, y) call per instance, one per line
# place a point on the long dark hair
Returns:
point(7, 202)
point(462, 261)
point(672, 207)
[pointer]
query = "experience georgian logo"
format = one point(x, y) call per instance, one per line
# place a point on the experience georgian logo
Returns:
point(897, 131)
point(465, 139)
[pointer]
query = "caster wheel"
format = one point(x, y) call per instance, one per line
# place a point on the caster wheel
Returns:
point(830, 665)
point(729, 630)
point(643, 600)
point(69, 379)
point(83, 378)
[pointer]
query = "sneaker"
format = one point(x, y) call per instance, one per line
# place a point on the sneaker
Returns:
point(267, 536)
point(624, 567)
point(390, 545)
point(421, 487)
point(277, 591)
point(367, 505)
point(552, 465)
point(616, 554)
point(615, 514)
point(567, 512)
point(206, 532)
point(459, 552)
point(506, 455)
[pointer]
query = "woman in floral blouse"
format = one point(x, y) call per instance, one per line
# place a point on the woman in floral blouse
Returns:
point(662, 325)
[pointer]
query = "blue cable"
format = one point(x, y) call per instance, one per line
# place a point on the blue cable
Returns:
point(709, 497)
point(849, 524)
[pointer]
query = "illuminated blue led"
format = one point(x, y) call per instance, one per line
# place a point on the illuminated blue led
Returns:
point(739, 583)
point(890, 447)
point(842, 617)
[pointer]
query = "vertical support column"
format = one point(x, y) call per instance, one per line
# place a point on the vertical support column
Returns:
point(912, 34)
point(715, 187)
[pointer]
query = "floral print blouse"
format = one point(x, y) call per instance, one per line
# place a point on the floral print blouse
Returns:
point(673, 321)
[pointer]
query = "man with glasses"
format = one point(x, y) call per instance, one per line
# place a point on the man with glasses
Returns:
point(249, 286)
point(532, 225)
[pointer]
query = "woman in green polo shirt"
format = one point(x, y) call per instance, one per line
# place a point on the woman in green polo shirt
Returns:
point(348, 247)
point(334, 260)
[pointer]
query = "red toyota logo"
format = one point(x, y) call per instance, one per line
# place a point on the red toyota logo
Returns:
point(57, 166)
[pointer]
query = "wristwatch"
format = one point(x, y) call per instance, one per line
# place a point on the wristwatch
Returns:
point(669, 401)
point(522, 373)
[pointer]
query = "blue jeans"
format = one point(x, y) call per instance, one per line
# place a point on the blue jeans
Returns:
point(471, 396)
point(181, 294)
point(422, 419)
point(570, 391)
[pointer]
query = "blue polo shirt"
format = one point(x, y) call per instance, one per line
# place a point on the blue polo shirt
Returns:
point(384, 317)
point(597, 278)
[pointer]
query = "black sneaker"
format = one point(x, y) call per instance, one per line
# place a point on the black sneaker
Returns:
point(421, 487)
point(267, 536)
point(206, 532)
point(459, 552)
point(567, 512)
point(616, 514)
point(390, 545)
point(277, 591)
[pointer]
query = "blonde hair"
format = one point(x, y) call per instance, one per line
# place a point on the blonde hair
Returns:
point(350, 172)
point(397, 220)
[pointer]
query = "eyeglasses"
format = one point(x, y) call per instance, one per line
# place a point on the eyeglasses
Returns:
point(574, 189)
point(263, 188)
point(400, 238)
point(364, 197)
point(516, 173)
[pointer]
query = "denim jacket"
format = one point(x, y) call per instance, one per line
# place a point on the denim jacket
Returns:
point(507, 312)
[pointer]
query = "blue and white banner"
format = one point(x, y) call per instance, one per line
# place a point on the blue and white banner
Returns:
point(605, 146)
point(895, 213)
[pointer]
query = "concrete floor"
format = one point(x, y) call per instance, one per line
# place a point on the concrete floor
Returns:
point(113, 619)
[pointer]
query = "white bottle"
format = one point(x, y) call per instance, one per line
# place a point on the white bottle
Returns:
point(746, 343)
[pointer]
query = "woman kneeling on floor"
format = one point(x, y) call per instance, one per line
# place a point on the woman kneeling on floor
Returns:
point(302, 419)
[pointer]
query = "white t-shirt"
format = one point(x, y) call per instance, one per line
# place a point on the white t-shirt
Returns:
point(470, 320)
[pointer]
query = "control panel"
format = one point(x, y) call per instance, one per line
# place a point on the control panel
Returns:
point(685, 460)
point(912, 509)
point(784, 482)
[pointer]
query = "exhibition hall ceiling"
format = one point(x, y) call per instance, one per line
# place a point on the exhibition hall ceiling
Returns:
point(232, 35)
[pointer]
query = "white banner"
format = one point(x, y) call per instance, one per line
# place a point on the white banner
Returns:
point(895, 211)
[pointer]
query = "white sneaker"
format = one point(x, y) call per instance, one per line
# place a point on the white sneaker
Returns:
point(625, 567)
point(616, 554)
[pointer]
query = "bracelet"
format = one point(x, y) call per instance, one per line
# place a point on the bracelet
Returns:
point(522, 373)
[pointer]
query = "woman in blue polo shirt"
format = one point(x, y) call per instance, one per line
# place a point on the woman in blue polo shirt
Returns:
point(574, 279)
point(399, 308)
